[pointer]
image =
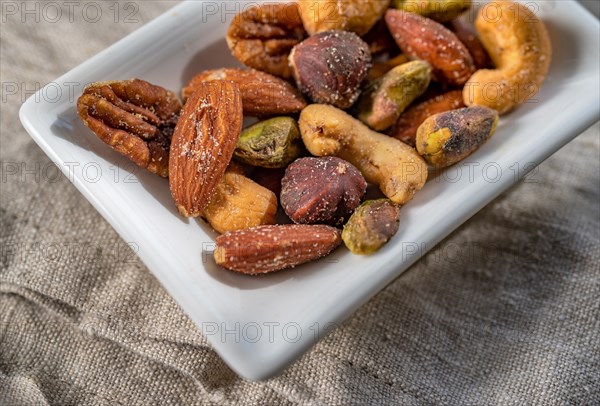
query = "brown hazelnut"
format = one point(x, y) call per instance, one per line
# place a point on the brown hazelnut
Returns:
point(330, 66)
point(321, 190)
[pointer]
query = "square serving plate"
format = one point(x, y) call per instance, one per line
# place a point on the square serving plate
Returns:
point(261, 324)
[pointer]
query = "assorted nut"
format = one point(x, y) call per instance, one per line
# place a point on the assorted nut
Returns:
point(203, 144)
point(135, 118)
point(263, 95)
point(371, 226)
point(408, 75)
point(519, 45)
point(357, 16)
point(446, 138)
point(421, 38)
point(330, 67)
point(265, 249)
point(384, 100)
point(239, 203)
point(405, 128)
point(262, 37)
point(272, 143)
point(321, 190)
point(395, 167)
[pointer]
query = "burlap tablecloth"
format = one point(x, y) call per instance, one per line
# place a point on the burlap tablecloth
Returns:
point(505, 311)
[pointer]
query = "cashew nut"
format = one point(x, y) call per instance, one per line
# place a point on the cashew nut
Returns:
point(519, 45)
point(395, 167)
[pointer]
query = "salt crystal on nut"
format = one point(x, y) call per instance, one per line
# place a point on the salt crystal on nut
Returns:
point(321, 190)
point(330, 67)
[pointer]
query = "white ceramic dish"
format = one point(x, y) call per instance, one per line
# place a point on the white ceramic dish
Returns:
point(261, 324)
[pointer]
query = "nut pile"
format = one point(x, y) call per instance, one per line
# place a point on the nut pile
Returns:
point(346, 93)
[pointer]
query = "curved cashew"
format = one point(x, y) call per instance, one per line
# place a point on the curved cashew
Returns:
point(519, 45)
point(395, 167)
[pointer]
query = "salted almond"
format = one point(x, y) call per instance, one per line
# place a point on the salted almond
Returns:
point(263, 95)
point(203, 144)
point(271, 248)
point(422, 38)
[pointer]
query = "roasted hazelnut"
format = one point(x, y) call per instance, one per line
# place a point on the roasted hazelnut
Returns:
point(321, 190)
point(330, 67)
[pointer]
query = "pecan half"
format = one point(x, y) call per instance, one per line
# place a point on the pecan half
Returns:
point(134, 117)
point(262, 37)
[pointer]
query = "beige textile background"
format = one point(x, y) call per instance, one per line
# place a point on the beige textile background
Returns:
point(505, 311)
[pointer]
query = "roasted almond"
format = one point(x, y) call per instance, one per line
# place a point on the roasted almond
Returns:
point(203, 144)
point(465, 32)
point(263, 95)
point(271, 248)
point(421, 38)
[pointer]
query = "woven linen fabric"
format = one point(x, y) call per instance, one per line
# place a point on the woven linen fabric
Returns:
point(503, 312)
